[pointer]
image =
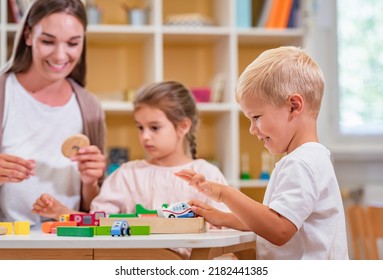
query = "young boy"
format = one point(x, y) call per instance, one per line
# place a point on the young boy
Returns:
point(302, 215)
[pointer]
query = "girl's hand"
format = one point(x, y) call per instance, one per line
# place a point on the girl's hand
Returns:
point(91, 164)
point(49, 207)
point(198, 181)
point(15, 169)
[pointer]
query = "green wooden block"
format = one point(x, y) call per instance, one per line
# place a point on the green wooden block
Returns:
point(75, 231)
point(102, 230)
point(140, 230)
point(122, 215)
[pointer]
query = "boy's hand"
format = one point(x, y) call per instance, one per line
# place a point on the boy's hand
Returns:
point(198, 181)
point(49, 207)
point(212, 215)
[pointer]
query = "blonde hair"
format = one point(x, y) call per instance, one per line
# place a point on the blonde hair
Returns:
point(277, 73)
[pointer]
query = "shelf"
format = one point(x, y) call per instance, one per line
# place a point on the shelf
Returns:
point(127, 107)
point(122, 57)
point(261, 36)
point(253, 183)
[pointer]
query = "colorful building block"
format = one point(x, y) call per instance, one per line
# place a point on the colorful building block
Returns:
point(140, 230)
point(122, 215)
point(102, 230)
point(22, 228)
point(75, 231)
point(8, 226)
point(48, 227)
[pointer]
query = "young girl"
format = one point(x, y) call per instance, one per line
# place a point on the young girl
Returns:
point(166, 117)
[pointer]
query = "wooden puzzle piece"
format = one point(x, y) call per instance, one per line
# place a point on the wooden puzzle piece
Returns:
point(74, 143)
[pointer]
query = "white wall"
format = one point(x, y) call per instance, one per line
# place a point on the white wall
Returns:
point(357, 161)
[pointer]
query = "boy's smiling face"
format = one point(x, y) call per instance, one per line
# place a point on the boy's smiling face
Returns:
point(274, 125)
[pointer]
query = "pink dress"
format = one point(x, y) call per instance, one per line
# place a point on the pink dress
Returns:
point(139, 182)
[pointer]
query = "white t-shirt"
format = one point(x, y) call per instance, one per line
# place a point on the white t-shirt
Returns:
point(139, 182)
point(304, 189)
point(34, 130)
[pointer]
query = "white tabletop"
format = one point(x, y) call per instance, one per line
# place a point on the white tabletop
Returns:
point(211, 238)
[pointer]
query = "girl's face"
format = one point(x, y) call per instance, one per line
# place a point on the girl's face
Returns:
point(271, 124)
point(161, 141)
point(57, 44)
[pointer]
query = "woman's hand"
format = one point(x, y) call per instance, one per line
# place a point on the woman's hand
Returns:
point(15, 169)
point(91, 164)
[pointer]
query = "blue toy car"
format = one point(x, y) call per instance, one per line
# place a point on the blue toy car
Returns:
point(120, 228)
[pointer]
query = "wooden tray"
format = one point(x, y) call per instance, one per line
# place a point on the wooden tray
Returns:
point(163, 225)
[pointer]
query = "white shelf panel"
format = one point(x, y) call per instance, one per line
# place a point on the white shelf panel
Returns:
point(270, 36)
point(122, 106)
point(253, 183)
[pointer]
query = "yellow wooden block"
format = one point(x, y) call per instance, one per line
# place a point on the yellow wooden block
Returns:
point(8, 226)
point(163, 225)
point(22, 227)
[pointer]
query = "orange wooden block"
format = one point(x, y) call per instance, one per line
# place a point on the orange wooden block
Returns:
point(48, 226)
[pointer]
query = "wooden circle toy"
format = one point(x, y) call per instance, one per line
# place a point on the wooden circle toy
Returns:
point(71, 145)
point(3, 230)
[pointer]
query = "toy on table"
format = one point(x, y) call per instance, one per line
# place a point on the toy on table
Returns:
point(176, 210)
point(21, 228)
point(3, 230)
point(87, 219)
point(120, 228)
point(50, 227)
point(75, 231)
point(8, 227)
point(74, 143)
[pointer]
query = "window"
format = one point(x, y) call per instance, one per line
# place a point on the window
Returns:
point(360, 67)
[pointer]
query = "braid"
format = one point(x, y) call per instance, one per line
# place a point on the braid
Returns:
point(192, 144)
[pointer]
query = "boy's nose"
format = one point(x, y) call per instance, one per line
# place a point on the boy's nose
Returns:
point(253, 130)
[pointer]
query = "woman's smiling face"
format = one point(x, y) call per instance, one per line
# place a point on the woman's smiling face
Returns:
point(57, 42)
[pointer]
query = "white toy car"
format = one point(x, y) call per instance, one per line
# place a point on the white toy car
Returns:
point(176, 210)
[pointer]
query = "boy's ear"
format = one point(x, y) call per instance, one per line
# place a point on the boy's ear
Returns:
point(295, 103)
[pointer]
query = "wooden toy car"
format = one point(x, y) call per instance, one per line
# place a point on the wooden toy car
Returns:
point(177, 210)
point(120, 228)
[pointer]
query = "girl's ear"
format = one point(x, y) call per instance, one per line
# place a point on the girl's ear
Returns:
point(296, 104)
point(184, 126)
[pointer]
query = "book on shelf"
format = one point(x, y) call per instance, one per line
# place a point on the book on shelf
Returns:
point(294, 18)
point(257, 7)
point(244, 13)
point(276, 13)
point(279, 14)
point(266, 8)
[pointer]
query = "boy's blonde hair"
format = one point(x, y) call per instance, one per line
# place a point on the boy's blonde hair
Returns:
point(277, 73)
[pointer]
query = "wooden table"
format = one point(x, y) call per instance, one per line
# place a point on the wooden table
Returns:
point(207, 245)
